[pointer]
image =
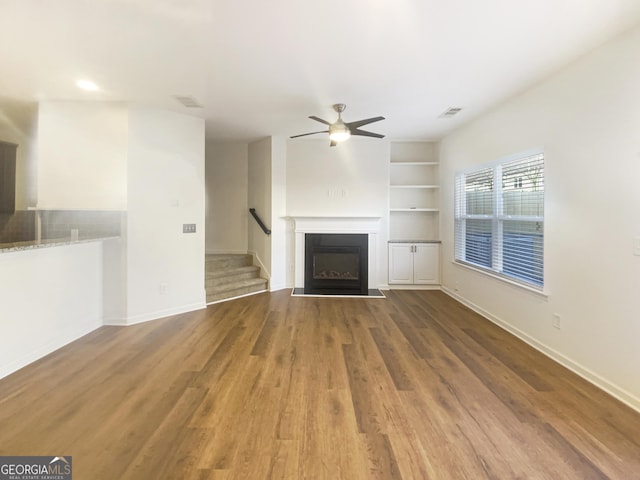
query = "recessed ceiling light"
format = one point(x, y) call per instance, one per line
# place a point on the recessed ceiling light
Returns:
point(87, 85)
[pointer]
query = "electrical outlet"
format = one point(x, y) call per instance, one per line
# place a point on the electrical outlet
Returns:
point(556, 321)
point(164, 288)
point(188, 228)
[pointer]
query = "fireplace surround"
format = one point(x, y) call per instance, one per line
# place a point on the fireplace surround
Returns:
point(368, 226)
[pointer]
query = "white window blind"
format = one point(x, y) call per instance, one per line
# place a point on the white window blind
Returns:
point(499, 218)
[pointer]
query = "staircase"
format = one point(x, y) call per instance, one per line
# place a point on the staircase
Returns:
point(230, 276)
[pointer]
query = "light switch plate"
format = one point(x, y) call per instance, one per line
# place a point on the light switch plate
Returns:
point(188, 228)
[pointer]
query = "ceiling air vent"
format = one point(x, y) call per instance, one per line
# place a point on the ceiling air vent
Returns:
point(450, 112)
point(188, 101)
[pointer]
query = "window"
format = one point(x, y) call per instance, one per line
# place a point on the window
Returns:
point(499, 218)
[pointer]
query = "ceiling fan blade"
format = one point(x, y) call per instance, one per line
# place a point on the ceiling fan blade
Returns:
point(312, 133)
point(317, 119)
point(333, 143)
point(360, 123)
point(364, 133)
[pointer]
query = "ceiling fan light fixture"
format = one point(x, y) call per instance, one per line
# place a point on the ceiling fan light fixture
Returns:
point(339, 132)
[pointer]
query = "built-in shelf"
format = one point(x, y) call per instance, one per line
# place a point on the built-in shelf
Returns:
point(409, 164)
point(414, 191)
point(414, 184)
point(414, 209)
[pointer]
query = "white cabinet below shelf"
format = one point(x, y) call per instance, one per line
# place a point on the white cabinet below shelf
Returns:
point(414, 263)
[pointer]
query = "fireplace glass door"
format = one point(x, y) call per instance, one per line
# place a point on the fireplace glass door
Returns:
point(336, 263)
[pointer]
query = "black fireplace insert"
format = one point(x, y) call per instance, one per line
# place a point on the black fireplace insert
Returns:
point(336, 263)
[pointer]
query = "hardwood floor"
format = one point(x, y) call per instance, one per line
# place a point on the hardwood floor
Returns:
point(272, 386)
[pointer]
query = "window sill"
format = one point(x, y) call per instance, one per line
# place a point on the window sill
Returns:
point(531, 289)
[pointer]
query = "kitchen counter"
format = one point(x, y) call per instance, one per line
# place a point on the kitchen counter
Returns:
point(55, 242)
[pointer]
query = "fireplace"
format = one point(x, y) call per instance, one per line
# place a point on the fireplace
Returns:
point(336, 263)
point(366, 227)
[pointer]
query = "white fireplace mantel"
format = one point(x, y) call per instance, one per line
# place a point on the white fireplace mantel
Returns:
point(304, 225)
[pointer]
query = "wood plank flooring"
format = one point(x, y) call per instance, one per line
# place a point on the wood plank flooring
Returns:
point(415, 386)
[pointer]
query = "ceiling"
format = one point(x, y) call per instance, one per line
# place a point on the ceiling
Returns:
point(260, 68)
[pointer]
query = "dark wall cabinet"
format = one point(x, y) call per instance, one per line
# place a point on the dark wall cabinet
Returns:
point(7, 177)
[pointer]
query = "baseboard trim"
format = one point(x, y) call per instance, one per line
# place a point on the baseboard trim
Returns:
point(603, 384)
point(264, 273)
point(114, 322)
point(147, 317)
point(236, 297)
point(396, 286)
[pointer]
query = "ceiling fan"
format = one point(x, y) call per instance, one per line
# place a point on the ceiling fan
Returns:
point(340, 131)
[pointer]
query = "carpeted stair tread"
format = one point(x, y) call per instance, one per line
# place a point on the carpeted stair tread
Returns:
point(217, 262)
point(232, 271)
point(235, 277)
point(236, 289)
point(247, 282)
point(231, 275)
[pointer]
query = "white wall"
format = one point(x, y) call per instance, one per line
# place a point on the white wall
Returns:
point(587, 119)
point(150, 162)
point(350, 179)
point(82, 156)
point(49, 297)
point(259, 197)
point(226, 197)
point(281, 237)
point(18, 124)
point(164, 267)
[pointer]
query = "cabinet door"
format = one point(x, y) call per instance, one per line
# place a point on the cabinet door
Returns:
point(400, 263)
point(426, 264)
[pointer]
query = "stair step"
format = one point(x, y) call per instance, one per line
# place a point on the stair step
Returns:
point(232, 271)
point(219, 262)
point(247, 282)
point(222, 277)
point(236, 289)
point(231, 275)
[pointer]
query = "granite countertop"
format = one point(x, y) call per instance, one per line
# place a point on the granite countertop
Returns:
point(55, 242)
point(415, 241)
